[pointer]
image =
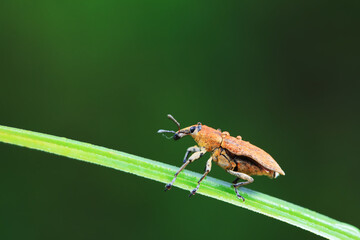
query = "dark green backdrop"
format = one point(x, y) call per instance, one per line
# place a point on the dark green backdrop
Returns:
point(282, 74)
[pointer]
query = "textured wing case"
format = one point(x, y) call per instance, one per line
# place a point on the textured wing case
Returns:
point(244, 148)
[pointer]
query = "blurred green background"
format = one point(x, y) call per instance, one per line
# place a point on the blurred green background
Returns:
point(282, 74)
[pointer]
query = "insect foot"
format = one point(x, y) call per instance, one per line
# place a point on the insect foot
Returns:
point(192, 192)
point(168, 187)
point(238, 195)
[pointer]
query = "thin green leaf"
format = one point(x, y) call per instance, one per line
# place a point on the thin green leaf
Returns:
point(255, 201)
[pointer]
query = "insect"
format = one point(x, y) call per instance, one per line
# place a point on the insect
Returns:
point(238, 157)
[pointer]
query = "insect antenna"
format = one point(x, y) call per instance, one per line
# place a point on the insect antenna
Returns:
point(173, 119)
point(162, 131)
point(165, 131)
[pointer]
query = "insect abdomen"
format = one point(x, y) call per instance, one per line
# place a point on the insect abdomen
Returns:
point(222, 159)
point(250, 167)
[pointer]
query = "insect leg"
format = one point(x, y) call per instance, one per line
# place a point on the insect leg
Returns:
point(189, 150)
point(207, 170)
point(191, 159)
point(238, 176)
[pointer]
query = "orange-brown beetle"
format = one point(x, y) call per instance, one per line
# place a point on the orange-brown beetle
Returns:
point(238, 157)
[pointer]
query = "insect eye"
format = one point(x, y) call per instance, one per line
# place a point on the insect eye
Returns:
point(192, 129)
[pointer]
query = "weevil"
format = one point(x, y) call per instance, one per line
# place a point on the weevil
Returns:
point(238, 157)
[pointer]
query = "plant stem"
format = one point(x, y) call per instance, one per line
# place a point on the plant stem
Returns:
point(211, 187)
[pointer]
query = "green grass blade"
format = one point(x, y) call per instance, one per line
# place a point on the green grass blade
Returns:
point(211, 187)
